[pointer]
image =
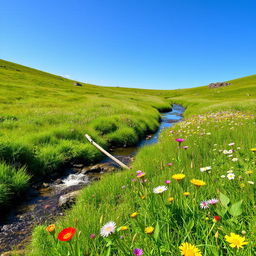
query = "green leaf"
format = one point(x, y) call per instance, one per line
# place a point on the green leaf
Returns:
point(190, 225)
point(157, 230)
point(224, 200)
point(214, 251)
point(236, 209)
point(109, 251)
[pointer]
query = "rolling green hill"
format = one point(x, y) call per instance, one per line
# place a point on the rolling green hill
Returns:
point(43, 119)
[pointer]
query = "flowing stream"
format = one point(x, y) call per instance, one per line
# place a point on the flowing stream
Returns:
point(42, 203)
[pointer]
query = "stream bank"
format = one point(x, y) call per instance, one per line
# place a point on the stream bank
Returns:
point(44, 203)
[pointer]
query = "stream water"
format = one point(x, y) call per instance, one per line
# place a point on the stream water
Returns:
point(41, 204)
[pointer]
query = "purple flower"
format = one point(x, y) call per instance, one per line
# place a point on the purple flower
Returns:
point(169, 164)
point(179, 140)
point(138, 252)
point(167, 182)
point(185, 147)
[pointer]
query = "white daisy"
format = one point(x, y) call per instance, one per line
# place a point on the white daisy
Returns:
point(202, 169)
point(108, 229)
point(250, 182)
point(231, 176)
point(159, 189)
point(234, 159)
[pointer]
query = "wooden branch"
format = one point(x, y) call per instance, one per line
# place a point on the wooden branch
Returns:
point(105, 152)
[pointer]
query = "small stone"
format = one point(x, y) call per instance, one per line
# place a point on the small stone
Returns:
point(58, 181)
point(45, 185)
point(65, 201)
point(77, 84)
point(78, 165)
point(218, 84)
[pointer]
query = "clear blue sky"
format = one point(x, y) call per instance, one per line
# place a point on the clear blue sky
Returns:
point(133, 43)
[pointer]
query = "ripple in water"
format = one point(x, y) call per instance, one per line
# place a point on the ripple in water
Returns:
point(74, 179)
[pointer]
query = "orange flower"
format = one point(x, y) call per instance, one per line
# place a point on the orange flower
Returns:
point(51, 229)
point(66, 234)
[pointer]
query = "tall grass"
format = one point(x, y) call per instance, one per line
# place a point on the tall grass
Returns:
point(179, 219)
point(12, 182)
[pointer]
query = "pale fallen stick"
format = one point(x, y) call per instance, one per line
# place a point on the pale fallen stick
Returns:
point(105, 152)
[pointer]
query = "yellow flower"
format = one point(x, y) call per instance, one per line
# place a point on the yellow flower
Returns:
point(142, 197)
point(186, 194)
point(51, 229)
point(123, 228)
point(253, 149)
point(149, 230)
point(198, 183)
point(179, 176)
point(134, 214)
point(170, 199)
point(242, 185)
point(249, 172)
point(235, 241)
point(187, 249)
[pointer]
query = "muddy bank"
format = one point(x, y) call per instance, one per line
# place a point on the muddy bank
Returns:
point(46, 202)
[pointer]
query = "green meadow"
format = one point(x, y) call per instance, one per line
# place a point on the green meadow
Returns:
point(43, 119)
point(194, 197)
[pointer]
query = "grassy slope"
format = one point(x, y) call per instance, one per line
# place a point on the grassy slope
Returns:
point(108, 200)
point(116, 196)
point(43, 119)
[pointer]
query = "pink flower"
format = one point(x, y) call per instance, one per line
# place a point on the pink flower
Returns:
point(138, 252)
point(141, 174)
point(185, 147)
point(92, 236)
point(167, 182)
point(179, 140)
point(169, 164)
point(204, 204)
point(213, 201)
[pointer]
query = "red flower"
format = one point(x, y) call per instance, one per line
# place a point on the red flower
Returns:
point(66, 234)
point(216, 218)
